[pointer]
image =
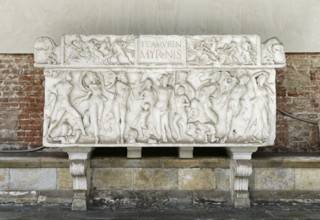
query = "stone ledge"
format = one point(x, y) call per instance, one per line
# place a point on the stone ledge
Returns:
point(34, 160)
point(283, 160)
point(159, 162)
point(60, 160)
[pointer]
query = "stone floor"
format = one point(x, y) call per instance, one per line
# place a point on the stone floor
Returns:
point(257, 211)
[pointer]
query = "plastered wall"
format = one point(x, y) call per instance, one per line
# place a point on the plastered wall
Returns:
point(295, 22)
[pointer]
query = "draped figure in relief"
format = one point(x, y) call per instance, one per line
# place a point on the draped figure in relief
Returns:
point(148, 94)
point(93, 102)
point(259, 126)
point(162, 109)
point(234, 101)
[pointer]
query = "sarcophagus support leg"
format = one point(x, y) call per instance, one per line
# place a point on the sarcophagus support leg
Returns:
point(185, 152)
point(241, 170)
point(134, 152)
point(80, 172)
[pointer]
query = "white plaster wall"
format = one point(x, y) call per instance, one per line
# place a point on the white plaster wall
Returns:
point(295, 22)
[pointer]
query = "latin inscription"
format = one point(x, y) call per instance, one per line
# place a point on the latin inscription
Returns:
point(165, 50)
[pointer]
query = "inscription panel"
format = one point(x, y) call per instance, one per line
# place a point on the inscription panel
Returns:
point(161, 50)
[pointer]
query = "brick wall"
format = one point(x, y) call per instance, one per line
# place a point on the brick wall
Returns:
point(298, 92)
point(21, 102)
point(22, 96)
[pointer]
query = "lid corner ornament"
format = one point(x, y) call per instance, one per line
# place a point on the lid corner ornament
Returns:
point(46, 51)
point(273, 52)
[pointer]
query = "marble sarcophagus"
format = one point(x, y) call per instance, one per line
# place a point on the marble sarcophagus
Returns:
point(160, 90)
point(146, 90)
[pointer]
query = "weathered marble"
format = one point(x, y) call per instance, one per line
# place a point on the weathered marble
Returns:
point(212, 90)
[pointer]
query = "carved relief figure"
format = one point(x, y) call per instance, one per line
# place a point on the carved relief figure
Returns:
point(209, 79)
point(248, 53)
point(132, 136)
point(148, 95)
point(259, 128)
point(230, 54)
point(93, 101)
point(133, 101)
point(180, 116)
point(144, 121)
point(200, 52)
point(200, 113)
point(67, 135)
point(120, 53)
point(119, 50)
point(200, 132)
point(226, 84)
point(92, 47)
point(162, 109)
point(77, 50)
point(49, 109)
point(237, 50)
point(182, 80)
point(204, 97)
point(105, 47)
point(235, 100)
point(120, 104)
point(192, 132)
point(62, 106)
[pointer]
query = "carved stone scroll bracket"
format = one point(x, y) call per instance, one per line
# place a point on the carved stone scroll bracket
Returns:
point(185, 152)
point(134, 152)
point(241, 170)
point(80, 172)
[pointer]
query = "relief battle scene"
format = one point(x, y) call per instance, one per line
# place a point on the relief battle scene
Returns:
point(153, 106)
point(221, 50)
point(99, 50)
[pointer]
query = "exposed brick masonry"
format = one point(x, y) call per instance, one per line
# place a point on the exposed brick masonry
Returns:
point(298, 92)
point(22, 101)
